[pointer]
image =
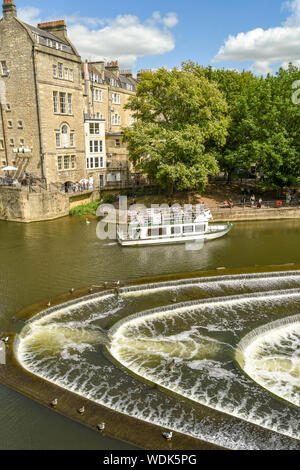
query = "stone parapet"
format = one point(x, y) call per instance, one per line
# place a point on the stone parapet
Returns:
point(240, 214)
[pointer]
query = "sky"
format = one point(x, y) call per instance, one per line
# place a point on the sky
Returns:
point(257, 35)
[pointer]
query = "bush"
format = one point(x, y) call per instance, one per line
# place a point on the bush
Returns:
point(109, 199)
point(86, 209)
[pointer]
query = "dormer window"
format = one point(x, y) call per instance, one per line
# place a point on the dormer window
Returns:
point(20, 124)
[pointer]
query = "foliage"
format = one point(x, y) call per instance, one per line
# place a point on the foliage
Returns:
point(264, 123)
point(85, 209)
point(91, 207)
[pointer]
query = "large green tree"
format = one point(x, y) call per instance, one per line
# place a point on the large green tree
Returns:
point(264, 123)
point(181, 123)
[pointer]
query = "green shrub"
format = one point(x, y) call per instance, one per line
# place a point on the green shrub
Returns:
point(86, 209)
point(109, 198)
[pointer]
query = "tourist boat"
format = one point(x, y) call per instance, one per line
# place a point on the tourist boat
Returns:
point(169, 226)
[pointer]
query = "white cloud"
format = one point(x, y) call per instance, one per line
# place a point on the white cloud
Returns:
point(265, 48)
point(125, 37)
point(29, 15)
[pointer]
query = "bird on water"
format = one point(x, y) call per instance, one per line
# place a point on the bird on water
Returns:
point(167, 435)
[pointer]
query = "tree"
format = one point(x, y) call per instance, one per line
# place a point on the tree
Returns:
point(181, 122)
point(264, 123)
point(278, 156)
point(239, 89)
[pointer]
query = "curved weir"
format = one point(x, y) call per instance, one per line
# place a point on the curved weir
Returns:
point(183, 336)
point(270, 356)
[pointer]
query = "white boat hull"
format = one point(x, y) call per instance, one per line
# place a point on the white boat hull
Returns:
point(214, 232)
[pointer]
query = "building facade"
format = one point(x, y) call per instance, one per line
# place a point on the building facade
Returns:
point(107, 91)
point(60, 119)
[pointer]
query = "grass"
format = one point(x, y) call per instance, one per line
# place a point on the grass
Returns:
point(86, 209)
point(91, 207)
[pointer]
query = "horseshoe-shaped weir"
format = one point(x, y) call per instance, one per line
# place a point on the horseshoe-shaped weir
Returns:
point(173, 348)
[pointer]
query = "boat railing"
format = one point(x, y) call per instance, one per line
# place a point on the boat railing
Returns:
point(148, 219)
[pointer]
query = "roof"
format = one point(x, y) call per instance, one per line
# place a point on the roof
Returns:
point(45, 34)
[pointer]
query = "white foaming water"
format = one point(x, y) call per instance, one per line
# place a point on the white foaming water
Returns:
point(200, 336)
point(273, 361)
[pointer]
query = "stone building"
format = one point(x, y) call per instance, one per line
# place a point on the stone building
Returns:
point(107, 90)
point(60, 120)
point(42, 114)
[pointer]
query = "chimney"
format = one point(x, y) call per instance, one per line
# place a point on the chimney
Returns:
point(58, 28)
point(141, 73)
point(9, 9)
point(126, 73)
point(113, 66)
point(99, 66)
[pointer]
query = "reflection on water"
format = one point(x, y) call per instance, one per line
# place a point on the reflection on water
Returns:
point(198, 334)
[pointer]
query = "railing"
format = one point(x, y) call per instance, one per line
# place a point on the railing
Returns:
point(274, 204)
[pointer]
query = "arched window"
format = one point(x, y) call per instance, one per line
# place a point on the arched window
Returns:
point(65, 136)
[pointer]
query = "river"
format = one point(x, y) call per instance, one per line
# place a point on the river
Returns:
point(40, 261)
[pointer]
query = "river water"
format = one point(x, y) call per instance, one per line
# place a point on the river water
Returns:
point(43, 260)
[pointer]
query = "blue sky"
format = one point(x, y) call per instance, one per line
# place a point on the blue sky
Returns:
point(264, 33)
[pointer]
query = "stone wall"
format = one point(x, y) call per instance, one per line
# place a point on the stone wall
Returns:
point(81, 199)
point(20, 205)
point(20, 116)
point(232, 215)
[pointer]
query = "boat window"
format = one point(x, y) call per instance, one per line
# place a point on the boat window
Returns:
point(157, 232)
point(175, 230)
point(188, 229)
point(200, 228)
